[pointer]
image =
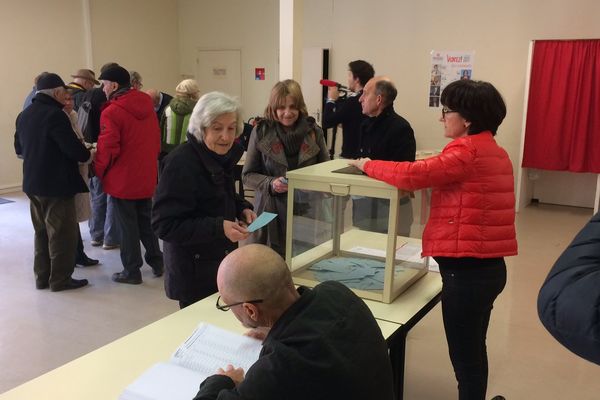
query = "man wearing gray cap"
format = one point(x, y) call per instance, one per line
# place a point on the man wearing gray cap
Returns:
point(51, 151)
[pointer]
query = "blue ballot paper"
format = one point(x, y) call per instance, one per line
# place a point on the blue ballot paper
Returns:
point(262, 220)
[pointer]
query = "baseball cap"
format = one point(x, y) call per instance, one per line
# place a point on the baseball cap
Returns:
point(49, 81)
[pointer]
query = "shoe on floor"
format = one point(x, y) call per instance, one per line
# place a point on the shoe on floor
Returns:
point(42, 285)
point(96, 243)
point(124, 277)
point(158, 272)
point(110, 246)
point(85, 261)
point(498, 398)
point(71, 284)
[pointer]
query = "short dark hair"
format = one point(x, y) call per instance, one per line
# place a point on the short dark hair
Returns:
point(478, 102)
point(387, 90)
point(362, 70)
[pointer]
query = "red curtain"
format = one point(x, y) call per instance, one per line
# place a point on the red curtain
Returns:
point(563, 114)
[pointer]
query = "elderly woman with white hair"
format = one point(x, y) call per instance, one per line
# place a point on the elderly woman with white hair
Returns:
point(175, 120)
point(196, 211)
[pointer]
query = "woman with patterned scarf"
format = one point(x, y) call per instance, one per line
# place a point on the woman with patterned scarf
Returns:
point(286, 139)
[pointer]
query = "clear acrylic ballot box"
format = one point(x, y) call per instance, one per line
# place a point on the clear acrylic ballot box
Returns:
point(354, 229)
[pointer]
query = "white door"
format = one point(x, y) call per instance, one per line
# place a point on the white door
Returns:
point(219, 70)
point(312, 73)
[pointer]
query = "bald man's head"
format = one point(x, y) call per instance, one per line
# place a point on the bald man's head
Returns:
point(256, 272)
point(377, 94)
point(154, 95)
point(253, 272)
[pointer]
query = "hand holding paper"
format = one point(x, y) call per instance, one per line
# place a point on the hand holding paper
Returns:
point(234, 231)
point(262, 220)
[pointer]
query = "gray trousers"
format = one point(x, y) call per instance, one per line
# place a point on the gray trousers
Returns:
point(55, 227)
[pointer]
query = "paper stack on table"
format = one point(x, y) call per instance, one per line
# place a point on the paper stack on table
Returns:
point(199, 357)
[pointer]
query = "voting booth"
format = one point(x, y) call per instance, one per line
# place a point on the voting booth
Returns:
point(344, 226)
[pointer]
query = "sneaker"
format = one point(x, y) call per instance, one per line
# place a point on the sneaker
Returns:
point(96, 243)
point(124, 277)
point(110, 246)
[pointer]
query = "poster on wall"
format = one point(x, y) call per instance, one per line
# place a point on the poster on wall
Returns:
point(447, 67)
point(259, 74)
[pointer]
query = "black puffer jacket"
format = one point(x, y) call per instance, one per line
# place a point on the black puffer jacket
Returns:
point(569, 300)
point(194, 195)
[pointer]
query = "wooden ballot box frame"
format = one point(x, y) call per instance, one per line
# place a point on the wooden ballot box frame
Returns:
point(320, 178)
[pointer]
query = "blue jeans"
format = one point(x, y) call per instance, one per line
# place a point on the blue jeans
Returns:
point(470, 286)
point(102, 221)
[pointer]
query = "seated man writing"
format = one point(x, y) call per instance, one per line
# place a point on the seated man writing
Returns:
point(320, 343)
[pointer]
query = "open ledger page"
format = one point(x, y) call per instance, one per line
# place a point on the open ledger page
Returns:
point(196, 359)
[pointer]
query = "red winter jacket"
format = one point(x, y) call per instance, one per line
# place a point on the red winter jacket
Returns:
point(128, 146)
point(472, 199)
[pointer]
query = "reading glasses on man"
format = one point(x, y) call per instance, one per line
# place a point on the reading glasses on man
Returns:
point(226, 307)
point(447, 111)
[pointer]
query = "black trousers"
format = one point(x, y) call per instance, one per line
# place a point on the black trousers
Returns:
point(133, 220)
point(79, 253)
point(470, 286)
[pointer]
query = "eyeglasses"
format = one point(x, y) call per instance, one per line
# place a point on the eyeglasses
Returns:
point(447, 111)
point(227, 307)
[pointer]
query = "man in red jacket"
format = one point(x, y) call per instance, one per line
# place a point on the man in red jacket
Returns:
point(126, 163)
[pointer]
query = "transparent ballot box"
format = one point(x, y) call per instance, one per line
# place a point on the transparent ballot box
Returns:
point(338, 228)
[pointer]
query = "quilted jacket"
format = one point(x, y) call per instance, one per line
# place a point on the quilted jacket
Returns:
point(128, 146)
point(472, 199)
point(569, 300)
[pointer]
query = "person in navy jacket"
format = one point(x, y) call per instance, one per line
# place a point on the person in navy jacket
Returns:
point(569, 300)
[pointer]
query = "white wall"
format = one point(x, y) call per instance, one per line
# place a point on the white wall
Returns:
point(140, 35)
point(397, 36)
point(251, 26)
point(34, 37)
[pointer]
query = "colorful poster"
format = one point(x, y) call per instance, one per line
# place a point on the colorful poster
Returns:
point(447, 67)
point(259, 74)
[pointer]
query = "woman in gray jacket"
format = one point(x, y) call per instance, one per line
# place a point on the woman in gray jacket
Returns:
point(286, 139)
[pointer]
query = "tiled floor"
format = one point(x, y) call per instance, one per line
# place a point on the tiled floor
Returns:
point(40, 330)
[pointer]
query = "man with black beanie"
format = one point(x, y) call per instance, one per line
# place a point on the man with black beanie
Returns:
point(128, 148)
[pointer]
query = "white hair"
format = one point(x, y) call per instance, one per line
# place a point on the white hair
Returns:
point(50, 92)
point(210, 107)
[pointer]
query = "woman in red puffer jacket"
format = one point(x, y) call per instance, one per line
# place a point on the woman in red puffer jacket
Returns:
point(471, 225)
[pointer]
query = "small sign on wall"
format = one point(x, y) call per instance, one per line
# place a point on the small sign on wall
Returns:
point(259, 74)
point(219, 72)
